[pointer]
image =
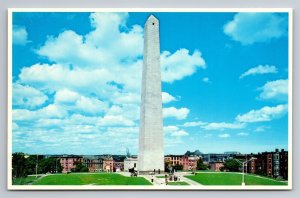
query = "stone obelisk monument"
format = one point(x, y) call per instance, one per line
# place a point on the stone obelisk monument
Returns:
point(151, 147)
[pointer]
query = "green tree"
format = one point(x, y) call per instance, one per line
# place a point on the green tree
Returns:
point(49, 165)
point(260, 172)
point(201, 165)
point(79, 167)
point(232, 165)
point(30, 164)
point(178, 167)
point(19, 165)
point(168, 165)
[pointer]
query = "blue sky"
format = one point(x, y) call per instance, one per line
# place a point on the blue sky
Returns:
point(77, 79)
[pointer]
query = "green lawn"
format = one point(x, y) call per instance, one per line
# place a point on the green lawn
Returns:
point(24, 180)
point(92, 178)
point(232, 179)
point(179, 183)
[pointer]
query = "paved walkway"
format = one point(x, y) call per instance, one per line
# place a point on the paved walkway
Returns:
point(161, 181)
point(156, 181)
point(182, 177)
point(40, 176)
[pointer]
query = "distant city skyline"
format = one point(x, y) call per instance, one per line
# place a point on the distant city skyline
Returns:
point(77, 76)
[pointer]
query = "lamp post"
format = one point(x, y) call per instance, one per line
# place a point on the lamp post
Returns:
point(243, 164)
point(36, 165)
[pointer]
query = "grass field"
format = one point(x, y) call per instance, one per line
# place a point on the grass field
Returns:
point(24, 181)
point(93, 178)
point(179, 183)
point(232, 179)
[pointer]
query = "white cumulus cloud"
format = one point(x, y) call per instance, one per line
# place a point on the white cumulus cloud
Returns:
point(27, 97)
point(242, 134)
point(215, 125)
point(166, 97)
point(180, 133)
point(260, 69)
point(116, 120)
point(75, 102)
point(50, 111)
point(277, 90)
point(175, 131)
point(223, 125)
point(225, 135)
point(180, 64)
point(206, 80)
point(250, 27)
point(264, 114)
point(194, 124)
point(106, 44)
point(19, 35)
point(179, 114)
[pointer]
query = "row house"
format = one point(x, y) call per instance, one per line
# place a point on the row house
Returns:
point(283, 164)
point(272, 164)
point(188, 162)
point(174, 159)
point(118, 166)
point(93, 163)
point(108, 164)
point(216, 166)
point(69, 161)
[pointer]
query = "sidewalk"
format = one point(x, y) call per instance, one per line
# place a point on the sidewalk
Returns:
point(161, 181)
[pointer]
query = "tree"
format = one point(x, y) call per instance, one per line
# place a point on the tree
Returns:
point(260, 172)
point(201, 165)
point(24, 165)
point(232, 165)
point(178, 167)
point(19, 165)
point(168, 165)
point(49, 165)
point(31, 162)
point(79, 167)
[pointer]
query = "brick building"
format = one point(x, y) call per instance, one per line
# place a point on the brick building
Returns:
point(283, 161)
point(216, 166)
point(94, 163)
point(252, 166)
point(272, 164)
point(174, 159)
point(118, 166)
point(188, 162)
point(108, 164)
point(69, 161)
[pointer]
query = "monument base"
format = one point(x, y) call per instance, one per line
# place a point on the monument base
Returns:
point(151, 172)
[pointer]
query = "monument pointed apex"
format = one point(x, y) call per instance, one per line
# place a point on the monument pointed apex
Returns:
point(152, 18)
